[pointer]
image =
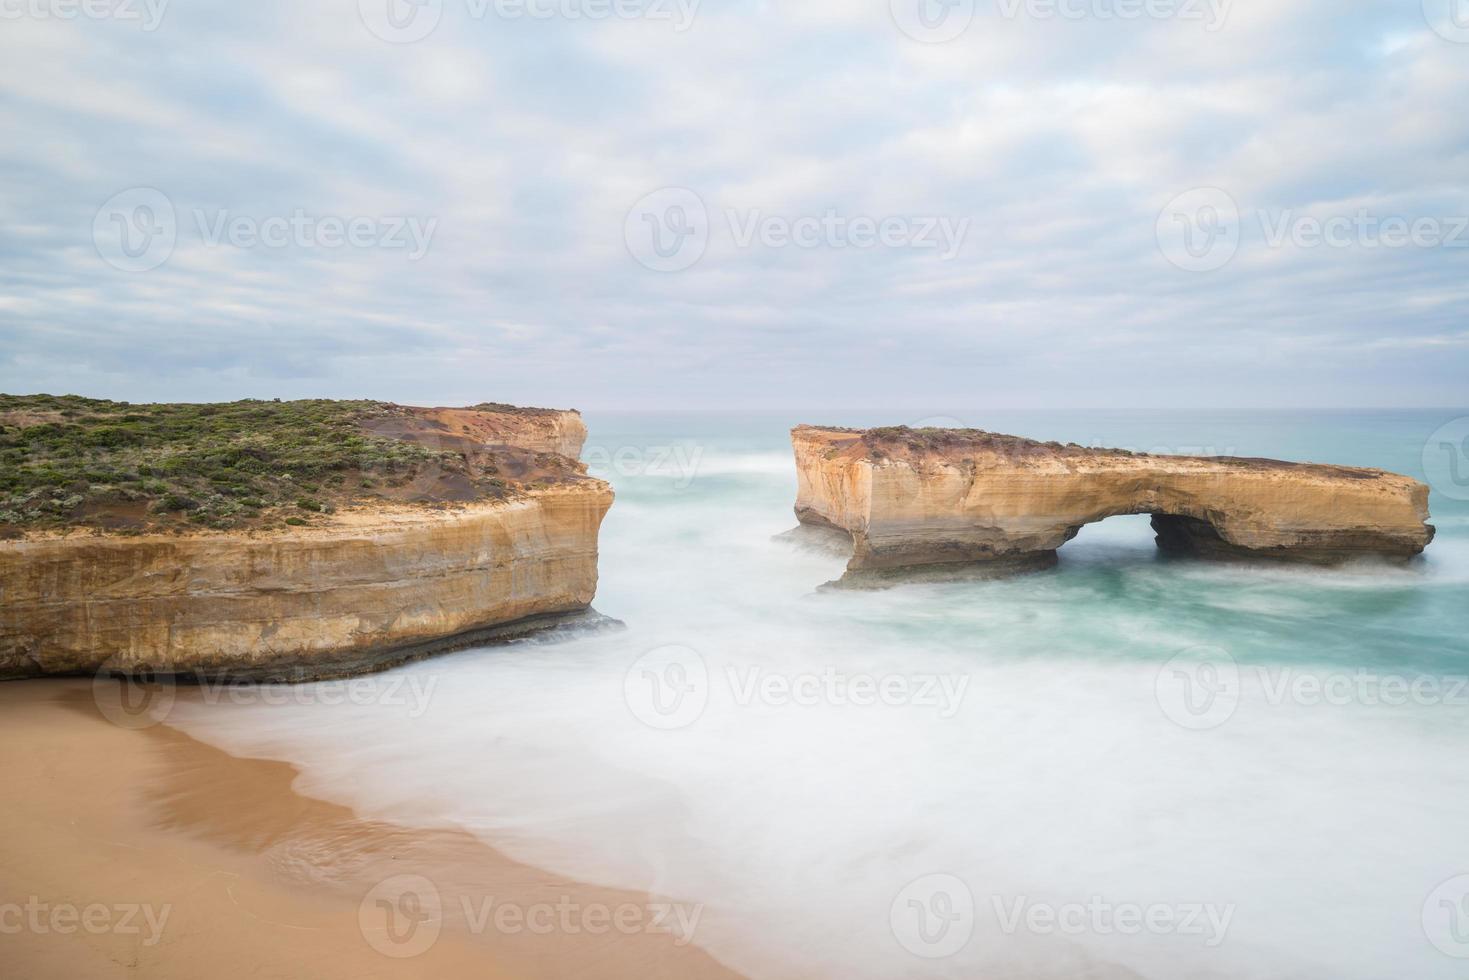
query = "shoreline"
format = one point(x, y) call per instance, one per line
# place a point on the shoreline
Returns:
point(143, 852)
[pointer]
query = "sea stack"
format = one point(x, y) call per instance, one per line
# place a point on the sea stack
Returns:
point(287, 541)
point(938, 502)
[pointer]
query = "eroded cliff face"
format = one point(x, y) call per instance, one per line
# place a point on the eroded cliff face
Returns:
point(915, 498)
point(368, 586)
point(538, 430)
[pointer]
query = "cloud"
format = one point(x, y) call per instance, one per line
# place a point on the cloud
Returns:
point(1058, 140)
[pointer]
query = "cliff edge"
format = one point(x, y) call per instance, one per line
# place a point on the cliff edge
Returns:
point(927, 498)
point(285, 541)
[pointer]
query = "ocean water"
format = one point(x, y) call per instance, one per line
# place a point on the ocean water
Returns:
point(1123, 766)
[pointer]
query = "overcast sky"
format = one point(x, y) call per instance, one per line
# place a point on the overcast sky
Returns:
point(740, 203)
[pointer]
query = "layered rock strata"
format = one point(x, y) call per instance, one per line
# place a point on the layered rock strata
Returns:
point(934, 500)
point(368, 586)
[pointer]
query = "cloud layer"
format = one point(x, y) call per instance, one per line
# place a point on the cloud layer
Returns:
point(291, 146)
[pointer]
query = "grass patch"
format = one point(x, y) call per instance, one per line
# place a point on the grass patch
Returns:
point(67, 460)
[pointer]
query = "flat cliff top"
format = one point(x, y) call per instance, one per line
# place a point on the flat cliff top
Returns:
point(69, 462)
point(977, 447)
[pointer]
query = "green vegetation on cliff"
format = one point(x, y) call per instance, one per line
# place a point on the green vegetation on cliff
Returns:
point(67, 461)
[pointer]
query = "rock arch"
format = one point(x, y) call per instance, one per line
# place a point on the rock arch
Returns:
point(929, 500)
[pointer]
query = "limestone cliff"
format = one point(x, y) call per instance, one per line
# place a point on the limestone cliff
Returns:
point(914, 498)
point(439, 556)
point(539, 430)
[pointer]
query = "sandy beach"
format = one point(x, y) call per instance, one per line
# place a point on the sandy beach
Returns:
point(142, 852)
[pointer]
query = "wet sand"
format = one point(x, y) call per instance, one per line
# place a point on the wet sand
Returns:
point(144, 853)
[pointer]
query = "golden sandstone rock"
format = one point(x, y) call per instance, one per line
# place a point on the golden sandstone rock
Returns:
point(941, 500)
point(365, 587)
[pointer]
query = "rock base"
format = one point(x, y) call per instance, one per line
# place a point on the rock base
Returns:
point(819, 538)
point(548, 627)
point(1187, 537)
point(963, 571)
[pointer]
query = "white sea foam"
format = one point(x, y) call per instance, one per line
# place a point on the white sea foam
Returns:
point(1059, 777)
point(684, 463)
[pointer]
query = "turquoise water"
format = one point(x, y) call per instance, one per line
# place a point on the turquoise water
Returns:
point(1122, 732)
